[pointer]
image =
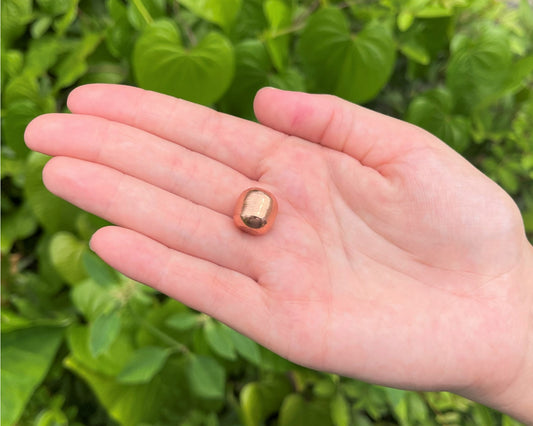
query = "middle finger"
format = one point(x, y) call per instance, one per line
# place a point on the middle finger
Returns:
point(175, 222)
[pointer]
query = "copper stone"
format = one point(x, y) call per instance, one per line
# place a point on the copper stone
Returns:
point(255, 211)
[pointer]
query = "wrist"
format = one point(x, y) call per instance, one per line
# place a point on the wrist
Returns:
point(516, 397)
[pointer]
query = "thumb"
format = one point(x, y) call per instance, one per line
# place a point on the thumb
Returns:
point(372, 138)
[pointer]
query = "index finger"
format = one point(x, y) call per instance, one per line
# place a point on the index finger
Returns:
point(238, 143)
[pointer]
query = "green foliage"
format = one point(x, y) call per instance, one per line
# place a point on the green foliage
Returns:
point(354, 66)
point(26, 357)
point(201, 74)
point(82, 344)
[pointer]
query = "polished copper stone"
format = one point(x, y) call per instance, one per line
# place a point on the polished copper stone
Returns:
point(255, 211)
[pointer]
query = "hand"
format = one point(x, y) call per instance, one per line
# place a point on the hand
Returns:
point(392, 259)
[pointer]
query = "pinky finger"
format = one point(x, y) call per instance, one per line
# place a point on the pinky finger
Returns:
point(229, 296)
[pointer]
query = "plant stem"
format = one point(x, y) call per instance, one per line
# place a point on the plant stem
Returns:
point(143, 11)
point(156, 332)
point(180, 347)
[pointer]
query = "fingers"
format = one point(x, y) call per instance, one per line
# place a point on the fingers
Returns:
point(373, 139)
point(225, 294)
point(164, 217)
point(238, 143)
point(139, 154)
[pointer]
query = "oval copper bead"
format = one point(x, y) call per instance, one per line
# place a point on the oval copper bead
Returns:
point(255, 211)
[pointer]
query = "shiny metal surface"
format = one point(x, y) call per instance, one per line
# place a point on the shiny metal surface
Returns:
point(255, 211)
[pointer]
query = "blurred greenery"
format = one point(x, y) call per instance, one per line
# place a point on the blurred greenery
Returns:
point(82, 344)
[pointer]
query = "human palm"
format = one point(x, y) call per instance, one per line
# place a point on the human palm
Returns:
point(392, 259)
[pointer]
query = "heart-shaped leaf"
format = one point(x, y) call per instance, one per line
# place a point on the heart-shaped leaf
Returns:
point(478, 66)
point(433, 111)
point(201, 74)
point(353, 66)
point(253, 71)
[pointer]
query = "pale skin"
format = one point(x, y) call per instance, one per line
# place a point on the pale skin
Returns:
point(392, 260)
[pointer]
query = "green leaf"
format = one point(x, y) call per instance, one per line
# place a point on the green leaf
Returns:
point(65, 253)
point(92, 299)
point(254, 71)
point(54, 7)
point(74, 64)
point(251, 73)
point(478, 66)
point(394, 396)
point(401, 412)
point(17, 225)
point(103, 332)
point(405, 20)
point(245, 346)
point(290, 79)
point(143, 12)
point(277, 13)
point(259, 400)
point(340, 411)
point(219, 12)
point(507, 179)
point(15, 16)
point(251, 405)
point(12, 321)
point(250, 21)
point(183, 321)
point(144, 365)
point(353, 66)
point(42, 55)
point(148, 403)
point(23, 87)
point(12, 61)
point(61, 24)
point(271, 361)
point(415, 52)
point(435, 11)
point(108, 363)
point(418, 409)
point(51, 211)
point(521, 70)
point(40, 26)
point(98, 270)
point(219, 340)
point(296, 411)
point(26, 357)
point(517, 78)
point(207, 378)
point(278, 17)
point(200, 75)
point(433, 112)
point(425, 39)
point(87, 224)
point(14, 121)
point(324, 388)
point(119, 38)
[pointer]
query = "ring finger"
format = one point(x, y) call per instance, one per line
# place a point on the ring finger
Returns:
point(143, 155)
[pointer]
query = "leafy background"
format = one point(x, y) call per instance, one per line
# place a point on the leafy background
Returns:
point(82, 344)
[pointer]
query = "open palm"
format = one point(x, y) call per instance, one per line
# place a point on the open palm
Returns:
point(392, 259)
